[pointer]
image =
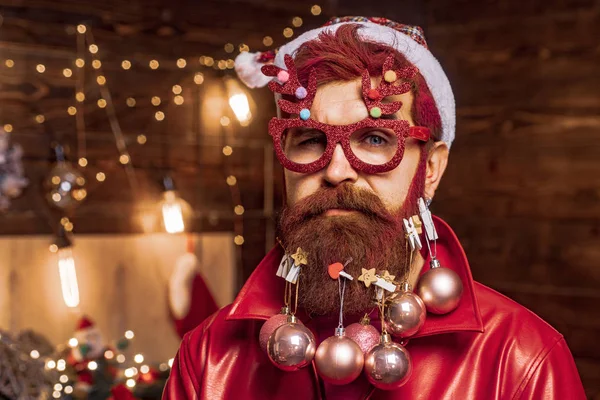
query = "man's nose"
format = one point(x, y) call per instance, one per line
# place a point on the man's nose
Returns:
point(339, 170)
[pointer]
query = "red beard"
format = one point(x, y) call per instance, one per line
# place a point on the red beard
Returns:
point(371, 235)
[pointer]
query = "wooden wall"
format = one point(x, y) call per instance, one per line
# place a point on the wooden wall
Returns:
point(522, 188)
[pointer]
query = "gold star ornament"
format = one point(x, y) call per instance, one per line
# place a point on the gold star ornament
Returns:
point(387, 277)
point(368, 276)
point(300, 257)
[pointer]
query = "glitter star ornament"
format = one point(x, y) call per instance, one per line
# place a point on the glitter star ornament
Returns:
point(300, 257)
point(368, 276)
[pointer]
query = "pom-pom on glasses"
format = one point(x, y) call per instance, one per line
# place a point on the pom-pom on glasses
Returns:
point(373, 145)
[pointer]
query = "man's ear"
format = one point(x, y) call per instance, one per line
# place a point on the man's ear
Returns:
point(436, 165)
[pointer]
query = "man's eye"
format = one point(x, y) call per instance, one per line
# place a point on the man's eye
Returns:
point(375, 140)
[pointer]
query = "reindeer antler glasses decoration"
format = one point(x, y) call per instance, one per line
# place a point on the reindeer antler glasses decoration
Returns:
point(373, 145)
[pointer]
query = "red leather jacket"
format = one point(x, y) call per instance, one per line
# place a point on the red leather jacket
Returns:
point(488, 348)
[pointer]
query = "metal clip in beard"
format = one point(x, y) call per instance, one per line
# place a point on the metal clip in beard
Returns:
point(339, 360)
point(395, 132)
point(440, 288)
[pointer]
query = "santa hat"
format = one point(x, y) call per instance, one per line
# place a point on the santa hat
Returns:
point(84, 324)
point(406, 39)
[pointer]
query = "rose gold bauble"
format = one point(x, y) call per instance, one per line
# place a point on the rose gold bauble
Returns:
point(440, 289)
point(364, 334)
point(339, 360)
point(270, 325)
point(388, 365)
point(406, 314)
point(291, 346)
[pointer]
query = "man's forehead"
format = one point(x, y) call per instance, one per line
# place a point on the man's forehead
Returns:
point(341, 102)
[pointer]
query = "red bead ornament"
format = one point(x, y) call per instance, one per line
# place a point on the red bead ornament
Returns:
point(373, 94)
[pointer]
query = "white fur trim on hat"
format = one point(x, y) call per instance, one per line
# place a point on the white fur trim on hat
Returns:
point(248, 70)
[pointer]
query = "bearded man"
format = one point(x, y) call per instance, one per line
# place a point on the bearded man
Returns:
point(366, 122)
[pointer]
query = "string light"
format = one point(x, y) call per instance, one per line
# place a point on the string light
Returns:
point(81, 28)
point(129, 334)
point(80, 97)
point(297, 22)
point(120, 358)
point(227, 150)
point(144, 369)
point(225, 120)
point(53, 249)
point(244, 47)
point(68, 389)
point(67, 72)
point(34, 354)
point(69, 225)
point(71, 110)
point(124, 159)
point(209, 61)
point(288, 32)
point(58, 387)
point(41, 68)
point(92, 365)
point(138, 358)
point(141, 139)
point(170, 362)
point(159, 115)
point(230, 63)
point(229, 48)
point(51, 364)
point(93, 48)
point(130, 102)
point(177, 89)
point(222, 64)
point(8, 128)
point(231, 180)
point(239, 240)
point(198, 78)
point(268, 41)
point(178, 100)
point(316, 10)
point(101, 103)
point(154, 64)
point(80, 62)
point(100, 176)
point(126, 64)
point(155, 101)
point(96, 64)
point(56, 394)
point(63, 379)
point(9, 63)
point(109, 354)
point(40, 119)
point(181, 63)
point(130, 383)
point(239, 210)
point(83, 162)
point(73, 342)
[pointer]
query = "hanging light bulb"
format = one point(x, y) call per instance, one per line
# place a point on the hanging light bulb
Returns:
point(66, 269)
point(238, 101)
point(174, 209)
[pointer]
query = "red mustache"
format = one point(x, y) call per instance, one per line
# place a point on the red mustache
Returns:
point(343, 197)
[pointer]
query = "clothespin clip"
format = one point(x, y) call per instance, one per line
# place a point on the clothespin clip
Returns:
point(386, 282)
point(336, 270)
point(427, 220)
point(369, 277)
point(284, 266)
point(411, 234)
point(300, 257)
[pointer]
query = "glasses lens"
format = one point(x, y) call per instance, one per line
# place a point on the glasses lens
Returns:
point(375, 146)
point(303, 145)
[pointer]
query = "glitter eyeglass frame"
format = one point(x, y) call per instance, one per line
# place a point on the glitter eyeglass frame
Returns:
point(341, 134)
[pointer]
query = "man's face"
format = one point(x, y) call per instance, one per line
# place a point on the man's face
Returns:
point(341, 103)
point(337, 214)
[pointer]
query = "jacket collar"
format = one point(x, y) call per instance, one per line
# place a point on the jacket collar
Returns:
point(261, 296)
